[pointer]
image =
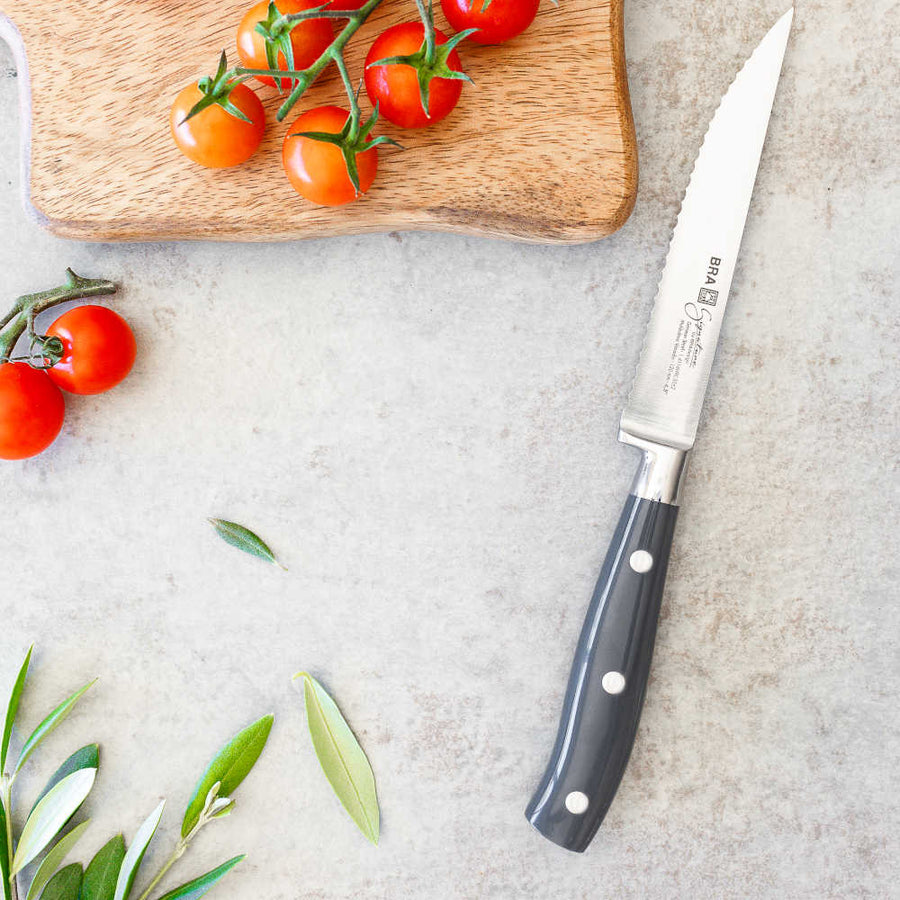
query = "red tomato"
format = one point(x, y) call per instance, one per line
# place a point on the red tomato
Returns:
point(317, 169)
point(215, 138)
point(31, 411)
point(395, 88)
point(501, 21)
point(98, 350)
point(309, 39)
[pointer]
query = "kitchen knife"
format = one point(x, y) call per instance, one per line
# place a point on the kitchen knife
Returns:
point(612, 662)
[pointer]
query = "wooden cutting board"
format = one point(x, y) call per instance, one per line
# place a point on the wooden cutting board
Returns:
point(541, 148)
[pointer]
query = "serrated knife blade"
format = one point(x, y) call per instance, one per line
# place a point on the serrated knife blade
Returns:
point(608, 680)
point(674, 368)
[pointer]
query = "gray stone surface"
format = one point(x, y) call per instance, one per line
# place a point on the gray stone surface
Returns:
point(423, 426)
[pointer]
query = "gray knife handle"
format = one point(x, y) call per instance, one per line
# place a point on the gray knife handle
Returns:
point(608, 681)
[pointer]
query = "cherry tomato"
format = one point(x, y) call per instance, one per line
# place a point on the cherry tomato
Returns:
point(317, 169)
point(215, 138)
point(501, 21)
point(31, 411)
point(309, 39)
point(98, 350)
point(395, 88)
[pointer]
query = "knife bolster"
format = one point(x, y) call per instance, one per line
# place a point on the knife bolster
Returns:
point(661, 472)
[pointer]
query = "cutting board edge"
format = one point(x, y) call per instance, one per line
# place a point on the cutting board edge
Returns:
point(564, 233)
point(90, 232)
point(9, 33)
point(448, 220)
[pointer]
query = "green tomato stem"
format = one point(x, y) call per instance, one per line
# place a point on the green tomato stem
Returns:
point(427, 17)
point(305, 77)
point(21, 317)
point(353, 133)
point(10, 334)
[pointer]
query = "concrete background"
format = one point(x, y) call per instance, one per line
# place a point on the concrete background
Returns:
point(423, 426)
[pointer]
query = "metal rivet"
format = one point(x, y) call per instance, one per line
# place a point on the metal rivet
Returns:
point(641, 561)
point(577, 802)
point(613, 682)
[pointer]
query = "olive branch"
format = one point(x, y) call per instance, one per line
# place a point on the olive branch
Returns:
point(113, 872)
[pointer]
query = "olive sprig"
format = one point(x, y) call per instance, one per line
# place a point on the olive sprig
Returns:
point(113, 871)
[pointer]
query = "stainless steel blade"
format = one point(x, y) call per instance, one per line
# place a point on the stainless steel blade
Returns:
point(665, 402)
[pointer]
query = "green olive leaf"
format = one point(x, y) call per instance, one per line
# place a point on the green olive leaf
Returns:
point(199, 886)
point(102, 873)
point(51, 862)
point(65, 884)
point(135, 855)
point(51, 814)
point(244, 539)
point(86, 758)
point(229, 768)
point(13, 707)
point(49, 724)
point(342, 759)
point(4, 857)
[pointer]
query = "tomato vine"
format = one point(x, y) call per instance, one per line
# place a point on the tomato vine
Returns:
point(19, 320)
point(87, 350)
point(413, 76)
point(334, 53)
point(430, 62)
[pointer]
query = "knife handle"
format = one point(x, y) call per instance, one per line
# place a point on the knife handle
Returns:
point(609, 677)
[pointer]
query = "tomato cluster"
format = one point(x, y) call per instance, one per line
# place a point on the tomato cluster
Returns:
point(413, 77)
point(91, 350)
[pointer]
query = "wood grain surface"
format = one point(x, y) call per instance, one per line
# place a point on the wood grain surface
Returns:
point(541, 148)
